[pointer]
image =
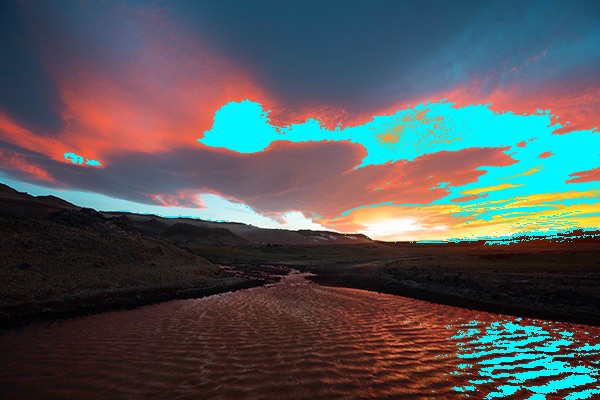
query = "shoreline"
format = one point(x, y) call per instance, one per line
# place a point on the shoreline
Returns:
point(379, 284)
point(127, 298)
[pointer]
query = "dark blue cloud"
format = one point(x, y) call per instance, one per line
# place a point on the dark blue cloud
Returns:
point(328, 50)
point(27, 92)
point(365, 55)
point(519, 41)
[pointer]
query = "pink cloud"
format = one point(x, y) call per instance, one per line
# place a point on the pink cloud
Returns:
point(320, 177)
point(574, 103)
point(160, 97)
point(308, 177)
point(182, 199)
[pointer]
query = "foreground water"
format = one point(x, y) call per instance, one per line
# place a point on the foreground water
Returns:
point(297, 340)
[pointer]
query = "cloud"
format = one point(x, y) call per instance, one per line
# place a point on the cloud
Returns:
point(77, 159)
point(585, 176)
point(315, 177)
point(23, 167)
point(480, 190)
point(327, 53)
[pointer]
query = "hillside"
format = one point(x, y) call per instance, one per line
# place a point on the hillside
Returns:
point(56, 258)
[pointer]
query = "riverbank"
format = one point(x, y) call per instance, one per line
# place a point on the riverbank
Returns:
point(552, 285)
point(77, 262)
point(543, 279)
point(94, 302)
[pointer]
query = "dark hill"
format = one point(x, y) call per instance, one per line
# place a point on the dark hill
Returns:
point(14, 204)
point(184, 234)
point(54, 201)
point(6, 192)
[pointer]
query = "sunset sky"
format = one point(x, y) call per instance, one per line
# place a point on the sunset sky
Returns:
point(403, 120)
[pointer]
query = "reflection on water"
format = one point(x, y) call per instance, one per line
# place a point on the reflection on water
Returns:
point(528, 359)
point(296, 340)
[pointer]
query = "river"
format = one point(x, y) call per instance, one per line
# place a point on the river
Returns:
point(299, 340)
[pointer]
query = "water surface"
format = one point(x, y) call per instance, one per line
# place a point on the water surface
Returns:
point(299, 340)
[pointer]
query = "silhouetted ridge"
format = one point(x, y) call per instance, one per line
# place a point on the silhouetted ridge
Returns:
point(54, 201)
point(6, 192)
point(14, 204)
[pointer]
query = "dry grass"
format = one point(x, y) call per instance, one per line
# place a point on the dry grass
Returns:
point(41, 259)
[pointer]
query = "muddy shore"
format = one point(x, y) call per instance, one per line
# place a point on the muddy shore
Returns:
point(535, 292)
point(542, 279)
point(88, 303)
point(552, 298)
point(375, 284)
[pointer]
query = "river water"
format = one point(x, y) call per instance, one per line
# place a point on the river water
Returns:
point(299, 340)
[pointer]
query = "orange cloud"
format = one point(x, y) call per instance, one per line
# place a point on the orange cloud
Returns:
point(152, 110)
point(467, 198)
point(13, 133)
point(585, 176)
point(330, 116)
point(16, 162)
point(329, 184)
point(576, 106)
point(488, 189)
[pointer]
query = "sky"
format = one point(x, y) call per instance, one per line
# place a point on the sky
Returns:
point(403, 120)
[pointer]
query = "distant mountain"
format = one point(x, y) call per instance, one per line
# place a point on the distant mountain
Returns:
point(185, 234)
point(189, 231)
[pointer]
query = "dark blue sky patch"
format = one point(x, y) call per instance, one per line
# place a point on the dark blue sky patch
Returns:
point(27, 92)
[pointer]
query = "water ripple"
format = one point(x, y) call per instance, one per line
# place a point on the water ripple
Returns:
point(295, 340)
point(528, 359)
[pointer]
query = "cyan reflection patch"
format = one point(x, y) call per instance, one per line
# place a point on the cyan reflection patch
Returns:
point(77, 159)
point(534, 360)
